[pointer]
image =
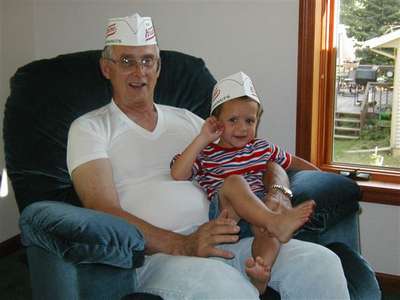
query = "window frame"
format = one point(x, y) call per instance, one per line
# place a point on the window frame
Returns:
point(315, 102)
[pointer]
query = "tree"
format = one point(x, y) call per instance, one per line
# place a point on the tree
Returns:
point(367, 19)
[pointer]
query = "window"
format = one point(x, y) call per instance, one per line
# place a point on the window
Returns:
point(320, 79)
point(366, 38)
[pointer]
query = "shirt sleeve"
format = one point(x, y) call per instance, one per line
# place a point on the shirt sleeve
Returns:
point(277, 154)
point(85, 143)
point(195, 167)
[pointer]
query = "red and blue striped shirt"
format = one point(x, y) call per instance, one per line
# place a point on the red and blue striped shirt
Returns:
point(215, 163)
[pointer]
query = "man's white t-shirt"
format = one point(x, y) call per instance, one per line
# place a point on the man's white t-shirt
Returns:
point(140, 161)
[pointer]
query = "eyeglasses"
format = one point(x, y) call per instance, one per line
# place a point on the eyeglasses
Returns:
point(127, 64)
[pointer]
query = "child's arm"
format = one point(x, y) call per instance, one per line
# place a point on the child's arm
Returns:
point(181, 169)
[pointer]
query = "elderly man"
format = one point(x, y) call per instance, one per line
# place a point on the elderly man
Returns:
point(118, 157)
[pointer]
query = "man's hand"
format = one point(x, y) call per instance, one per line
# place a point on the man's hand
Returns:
point(202, 242)
point(211, 130)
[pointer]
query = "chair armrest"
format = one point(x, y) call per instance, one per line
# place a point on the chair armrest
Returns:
point(336, 197)
point(81, 235)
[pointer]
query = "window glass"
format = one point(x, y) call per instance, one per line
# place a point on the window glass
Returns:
point(367, 107)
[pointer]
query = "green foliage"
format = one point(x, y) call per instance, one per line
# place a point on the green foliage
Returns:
point(367, 57)
point(367, 19)
point(376, 134)
point(385, 116)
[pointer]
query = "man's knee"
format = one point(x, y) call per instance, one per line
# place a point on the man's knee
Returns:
point(319, 268)
point(326, 276)
point(329, 262)
point(324, 263)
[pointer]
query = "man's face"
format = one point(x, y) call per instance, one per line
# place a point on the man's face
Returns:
point(133, 72)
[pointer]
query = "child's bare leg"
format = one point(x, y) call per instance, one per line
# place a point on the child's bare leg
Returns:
point(265, 249)
point(236, 192)
point(226, 205)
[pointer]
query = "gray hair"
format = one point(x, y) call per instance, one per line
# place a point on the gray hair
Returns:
point(107, 54)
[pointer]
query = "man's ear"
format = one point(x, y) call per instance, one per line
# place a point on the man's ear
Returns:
point(105, 68)
point(158, 67)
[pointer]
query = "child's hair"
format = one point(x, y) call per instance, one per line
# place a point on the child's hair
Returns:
point(218, 109)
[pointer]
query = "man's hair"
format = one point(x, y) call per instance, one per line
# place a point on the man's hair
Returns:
point(107, 53)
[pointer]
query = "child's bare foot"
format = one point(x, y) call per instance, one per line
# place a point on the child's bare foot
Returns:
point(284, 224)
point(259, 273)
point(273, 205)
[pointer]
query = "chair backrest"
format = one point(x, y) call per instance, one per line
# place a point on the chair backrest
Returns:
point(47, 95)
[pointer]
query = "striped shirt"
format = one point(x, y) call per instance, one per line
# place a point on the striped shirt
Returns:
point(215, 163)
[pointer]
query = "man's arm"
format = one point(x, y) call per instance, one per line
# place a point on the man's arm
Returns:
point(94, 184)
point(301, 164)
point(275, 174)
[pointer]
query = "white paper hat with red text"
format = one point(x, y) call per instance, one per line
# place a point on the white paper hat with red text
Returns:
point(231, 87)
point(130, 31)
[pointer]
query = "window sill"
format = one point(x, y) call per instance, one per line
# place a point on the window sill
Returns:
point(380, 192)
point(376, 190)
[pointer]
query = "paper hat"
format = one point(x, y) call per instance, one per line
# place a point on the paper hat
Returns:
point(130, 31)
point(231, 87)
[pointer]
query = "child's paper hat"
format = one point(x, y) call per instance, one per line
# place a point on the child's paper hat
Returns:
point(231, 87)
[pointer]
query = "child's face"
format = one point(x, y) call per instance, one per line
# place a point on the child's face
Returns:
point(239, 119)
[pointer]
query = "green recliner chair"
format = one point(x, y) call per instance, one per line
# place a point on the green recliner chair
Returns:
point(78, 253)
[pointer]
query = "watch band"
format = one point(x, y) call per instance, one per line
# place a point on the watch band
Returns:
point(283, 189)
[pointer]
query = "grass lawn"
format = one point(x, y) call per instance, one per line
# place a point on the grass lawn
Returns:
point(369, 139)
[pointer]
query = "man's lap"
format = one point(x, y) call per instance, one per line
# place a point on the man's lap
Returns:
point(183, 277)
point(305, 270)
point(302, 270)
point(298, 268)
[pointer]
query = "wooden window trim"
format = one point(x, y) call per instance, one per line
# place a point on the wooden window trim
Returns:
point(315, 96)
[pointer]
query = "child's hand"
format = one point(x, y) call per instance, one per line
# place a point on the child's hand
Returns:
point(212, 129)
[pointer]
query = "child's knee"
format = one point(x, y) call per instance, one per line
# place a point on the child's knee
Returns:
point(233, 181)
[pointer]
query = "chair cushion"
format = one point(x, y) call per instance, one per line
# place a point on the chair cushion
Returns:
point(81, 235)
point(335, 196)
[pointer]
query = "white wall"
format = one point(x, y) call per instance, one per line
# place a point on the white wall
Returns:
point(380, 236)
point(258, 37)
point(8, 208)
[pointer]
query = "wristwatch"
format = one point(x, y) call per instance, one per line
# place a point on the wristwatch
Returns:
point(283, 189)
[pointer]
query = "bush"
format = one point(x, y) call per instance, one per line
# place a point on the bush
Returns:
point(385, 115)
point(375, 133)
